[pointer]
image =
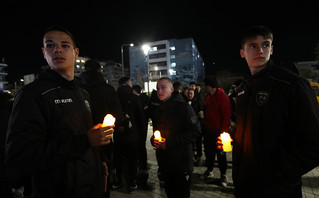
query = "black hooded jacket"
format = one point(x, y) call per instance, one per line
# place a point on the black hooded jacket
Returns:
point(131, 105)
point(47, 139)
point(104, 98)
point(177, 122)
point(277, 136)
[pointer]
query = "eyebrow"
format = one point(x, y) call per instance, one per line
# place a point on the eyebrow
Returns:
point(51, 41)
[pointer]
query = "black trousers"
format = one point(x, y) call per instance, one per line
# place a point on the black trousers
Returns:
point(126, 152)
point(210, 146)
point(177, 185)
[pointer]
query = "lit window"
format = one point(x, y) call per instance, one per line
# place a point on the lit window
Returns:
point(153, 49)
point(82, 61)
point(77, 60)
point(173, 56)
point(172, 48)
point(78, 66)
point(173, 64)
point(172, 72)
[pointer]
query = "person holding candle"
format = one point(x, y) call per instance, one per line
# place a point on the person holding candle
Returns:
point(179, 128)
point(217, 115)
point(277, 135)
point(51, 135)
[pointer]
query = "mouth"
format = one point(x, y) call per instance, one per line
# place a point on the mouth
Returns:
point(259, 58)
point(59, 59)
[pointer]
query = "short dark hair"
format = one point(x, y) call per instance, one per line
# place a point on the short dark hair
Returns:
point(60, 29)
point(255, 31)
point(92, 65)
point(137, 88)
point(211, 81)
point(123, 80)
point(166, 78)
point(192, 83)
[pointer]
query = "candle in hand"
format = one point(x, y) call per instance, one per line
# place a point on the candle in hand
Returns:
point(157, 135)
point(226, 141)
point(109, 120)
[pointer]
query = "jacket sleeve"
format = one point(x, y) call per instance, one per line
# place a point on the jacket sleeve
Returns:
point(302, 154)
point(30, 148)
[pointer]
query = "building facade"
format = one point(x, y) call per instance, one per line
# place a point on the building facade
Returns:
point(178, 59)
point(3, 75)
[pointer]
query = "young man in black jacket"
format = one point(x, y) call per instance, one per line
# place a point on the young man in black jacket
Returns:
point(277, 136)
point(104, 100)
point(178, 124)
point(51, 135)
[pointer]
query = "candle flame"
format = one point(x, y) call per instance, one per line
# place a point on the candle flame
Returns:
point(109, 120)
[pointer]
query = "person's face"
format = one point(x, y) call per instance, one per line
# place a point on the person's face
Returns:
point(164, 89)
point(190, 94)
point(59, 51)
point(193, 87)
point(257, 51)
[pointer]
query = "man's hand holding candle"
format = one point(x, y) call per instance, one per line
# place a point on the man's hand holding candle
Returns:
point(159, 142)
point(100, 136)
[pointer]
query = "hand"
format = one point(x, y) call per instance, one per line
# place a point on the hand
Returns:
point(160, 144)
point(100, 136)
point(219, 143)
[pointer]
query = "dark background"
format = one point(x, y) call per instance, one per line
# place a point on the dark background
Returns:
point(100, 27)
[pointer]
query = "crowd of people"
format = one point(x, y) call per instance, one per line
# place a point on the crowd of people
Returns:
point(53, 142)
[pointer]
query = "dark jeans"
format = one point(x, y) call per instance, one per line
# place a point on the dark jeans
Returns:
point(126, 152)
point(177, 185)
point(210, 146)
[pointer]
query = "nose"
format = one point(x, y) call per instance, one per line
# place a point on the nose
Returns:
point(58, 49)
point(259, 50)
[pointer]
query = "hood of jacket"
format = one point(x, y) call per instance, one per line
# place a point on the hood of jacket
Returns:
point(92, 78)
point(124, 90)
point(54, 77)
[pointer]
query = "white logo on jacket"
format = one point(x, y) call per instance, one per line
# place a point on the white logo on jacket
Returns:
point(63, 101)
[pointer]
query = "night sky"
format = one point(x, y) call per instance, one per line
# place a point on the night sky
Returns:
point(100, 29)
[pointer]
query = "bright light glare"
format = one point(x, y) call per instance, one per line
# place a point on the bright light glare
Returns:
point(146, 49)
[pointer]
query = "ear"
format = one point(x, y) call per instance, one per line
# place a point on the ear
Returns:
point(242, 53)
point(76, 52)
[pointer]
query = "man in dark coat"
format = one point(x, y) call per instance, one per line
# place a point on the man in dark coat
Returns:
point(51, 135)
point(128, 133)
point(178, 124)
point(277, 136)
point(104, 100)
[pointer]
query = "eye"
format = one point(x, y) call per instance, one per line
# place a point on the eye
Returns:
point(266, 45)
point(50, 45)
point(65, 46)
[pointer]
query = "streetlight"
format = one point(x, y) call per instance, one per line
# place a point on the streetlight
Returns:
point(131, 45)
point(146, 49)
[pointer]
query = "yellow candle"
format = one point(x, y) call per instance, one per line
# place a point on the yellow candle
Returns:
point(109, 120)
point(157, 135)
point(226, 141)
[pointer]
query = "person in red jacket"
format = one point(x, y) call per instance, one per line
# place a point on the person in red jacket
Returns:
point(216, 120)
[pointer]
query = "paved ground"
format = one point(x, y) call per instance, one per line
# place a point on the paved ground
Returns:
point(205, 189)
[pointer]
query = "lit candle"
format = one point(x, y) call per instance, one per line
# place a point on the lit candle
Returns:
point(157, 135)
point(109, 120)
point(226, 141)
